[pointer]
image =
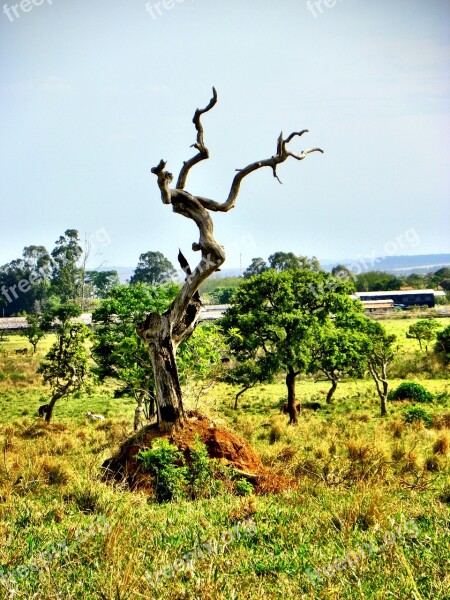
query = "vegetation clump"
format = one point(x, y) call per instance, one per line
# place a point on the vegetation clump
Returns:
point(416, 414)
point(198, 476)
point(411, 391)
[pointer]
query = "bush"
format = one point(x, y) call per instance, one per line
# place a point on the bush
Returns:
point(410, 391)
point(167, 466)
point(201, 473)
point(417, 415)
point(243, 487)
point(175, 480)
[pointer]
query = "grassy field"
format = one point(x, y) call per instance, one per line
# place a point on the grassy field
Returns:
point(367, 514)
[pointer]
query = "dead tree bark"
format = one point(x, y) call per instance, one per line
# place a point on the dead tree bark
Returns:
point(162, 334)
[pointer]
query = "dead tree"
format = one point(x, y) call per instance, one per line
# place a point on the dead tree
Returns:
point(162, 334)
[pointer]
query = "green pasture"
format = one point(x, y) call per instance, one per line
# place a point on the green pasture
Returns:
point(365, 509)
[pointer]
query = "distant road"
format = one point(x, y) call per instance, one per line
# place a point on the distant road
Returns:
point(208, 313)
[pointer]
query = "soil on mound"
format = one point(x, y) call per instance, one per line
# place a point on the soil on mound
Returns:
point(221, 444)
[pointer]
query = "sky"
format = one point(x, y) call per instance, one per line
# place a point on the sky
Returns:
point(95, 92)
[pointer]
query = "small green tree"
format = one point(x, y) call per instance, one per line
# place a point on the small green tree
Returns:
point(274, 315)
point(423, 331)
point(338, 350)
point(117, 349)
point(288, 261)
point(381, 354)
point(37, 325)
point(222, 295)
point(65, 367)
point(199, 360)
point(102, 282)
point(248, 372)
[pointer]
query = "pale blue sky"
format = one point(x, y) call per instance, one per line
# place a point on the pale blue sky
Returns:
point(94, 93)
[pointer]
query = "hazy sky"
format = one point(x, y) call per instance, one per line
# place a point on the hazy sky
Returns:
point(94, 93)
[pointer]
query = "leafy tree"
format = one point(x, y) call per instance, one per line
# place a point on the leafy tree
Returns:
point(36, 329)
point(102, 282)
point(342, 272)
point(199, 360)
point(222, 295)
point(153, 268)
point(65, 367)
point(416, 281)
point(338, 349)
point(445, 285)
point(376, 281)
point(288, 261)
point(117, 349)
point(442, 346)
point(66, 275)
point(381, 354)
point(275, 314)
point(248, 372)
point(423, 331)
point(440, 275)
point(256, 267)
point(24, 281)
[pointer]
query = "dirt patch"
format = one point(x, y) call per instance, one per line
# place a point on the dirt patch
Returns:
point(230, 449)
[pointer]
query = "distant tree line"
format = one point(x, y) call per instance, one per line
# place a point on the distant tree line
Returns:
point(368, 281)
point(41, 280)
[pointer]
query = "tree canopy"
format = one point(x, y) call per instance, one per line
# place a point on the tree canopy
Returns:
point(153, 268)
point(273, 316)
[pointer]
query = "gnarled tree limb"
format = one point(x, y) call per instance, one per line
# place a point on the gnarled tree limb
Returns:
point(164, 333)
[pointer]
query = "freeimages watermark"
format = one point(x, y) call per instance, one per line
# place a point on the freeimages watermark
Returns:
point(99, 238)
point(25, 285)
point(157, 9)
point(204, 550)
point(12, 577)
point(316, 7)
point(24, 6)
point(354, 557)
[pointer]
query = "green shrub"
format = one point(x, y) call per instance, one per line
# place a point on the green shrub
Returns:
point(243, 487)
point(410, 391)
point(417, 415)
point(174, 479)
point(167, 466)
point(200, 474)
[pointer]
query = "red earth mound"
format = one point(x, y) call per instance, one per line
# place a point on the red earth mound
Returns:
point(220, 444)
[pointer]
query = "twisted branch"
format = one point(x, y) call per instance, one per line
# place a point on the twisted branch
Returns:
point(203, 152)
point(196, 208)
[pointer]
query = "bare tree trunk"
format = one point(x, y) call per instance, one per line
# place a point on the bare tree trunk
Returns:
point(290, 384)
point(162, 334)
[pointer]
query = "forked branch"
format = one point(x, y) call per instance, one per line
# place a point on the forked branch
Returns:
point(196, 207)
